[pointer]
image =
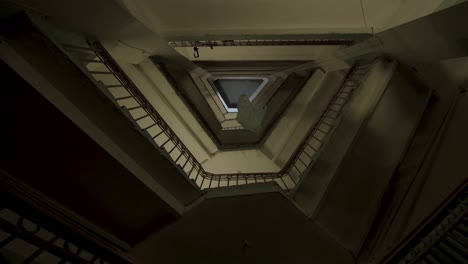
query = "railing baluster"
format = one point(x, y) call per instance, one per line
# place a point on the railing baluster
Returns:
point(333, 110)
point(321, 130)
point(185, 164)
point(100, 72)
point(440, 255)
point(191, 170)
point(141, 117)
point(203, 179)
point(132, 108)
point(292, 179)
point(114, 86)
point(175, 145)
point(7, 240)
point(307, 154)
point(459, 237)
point(452, 238)
point(451, 252)
point(295, 167)
point(148, 127)
point(158, 134)
point(167, 141)
point(181, 153)
point(302, 162)
point(432, 260)
point(282, 180)
point(198, 173)
point(33, 256)
point(316, 150)
point(91, 60)
point(123, 98)
point(68, 47)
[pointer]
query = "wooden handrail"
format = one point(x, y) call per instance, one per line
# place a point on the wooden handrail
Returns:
point(53, 210)
point(427, 220)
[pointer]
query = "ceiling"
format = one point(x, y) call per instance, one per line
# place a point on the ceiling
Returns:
point(231, 89)
point(186, 17)
point(174, 18)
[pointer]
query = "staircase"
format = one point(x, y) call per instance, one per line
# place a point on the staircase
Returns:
point(35, 229)
point(119, 88)
point(441, 238)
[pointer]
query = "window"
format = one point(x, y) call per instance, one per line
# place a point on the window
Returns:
point(229, 89)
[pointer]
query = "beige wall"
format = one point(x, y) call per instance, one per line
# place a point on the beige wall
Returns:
point(365, 172)
point(433, 166)
point(303, 112)
point(258, 53)
point(410, 10)
point(321, 176)
point(245, 161)
point(385, 14)
point(447, 169)
point(162, 95)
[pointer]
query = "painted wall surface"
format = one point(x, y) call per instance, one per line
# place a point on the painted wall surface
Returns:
point(69, 167)
point(364, 173)
point(410, 10)
point(185, 17)
point(448, 167)
point(82, 102)
point(321, 175)
point(449, 3)
point(260, 228)
point(160, 93)
point(431, 170)
point(261, 53)
point(384, 14)
point(188, 18)
point(422, 43)
point(246, 161)
point(301, 115)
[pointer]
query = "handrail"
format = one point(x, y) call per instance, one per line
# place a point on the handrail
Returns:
point(257, 42)
point(171, 145)
point(48, 216)
point(405, 251)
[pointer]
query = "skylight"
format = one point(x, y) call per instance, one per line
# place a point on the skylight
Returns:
point(229, 89)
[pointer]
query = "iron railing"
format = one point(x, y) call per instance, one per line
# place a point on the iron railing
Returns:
point(441, 238)
point(260, 42)
point(115, 83)
point(33, 229)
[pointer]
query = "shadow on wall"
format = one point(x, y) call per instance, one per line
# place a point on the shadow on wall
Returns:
point(260, 228)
